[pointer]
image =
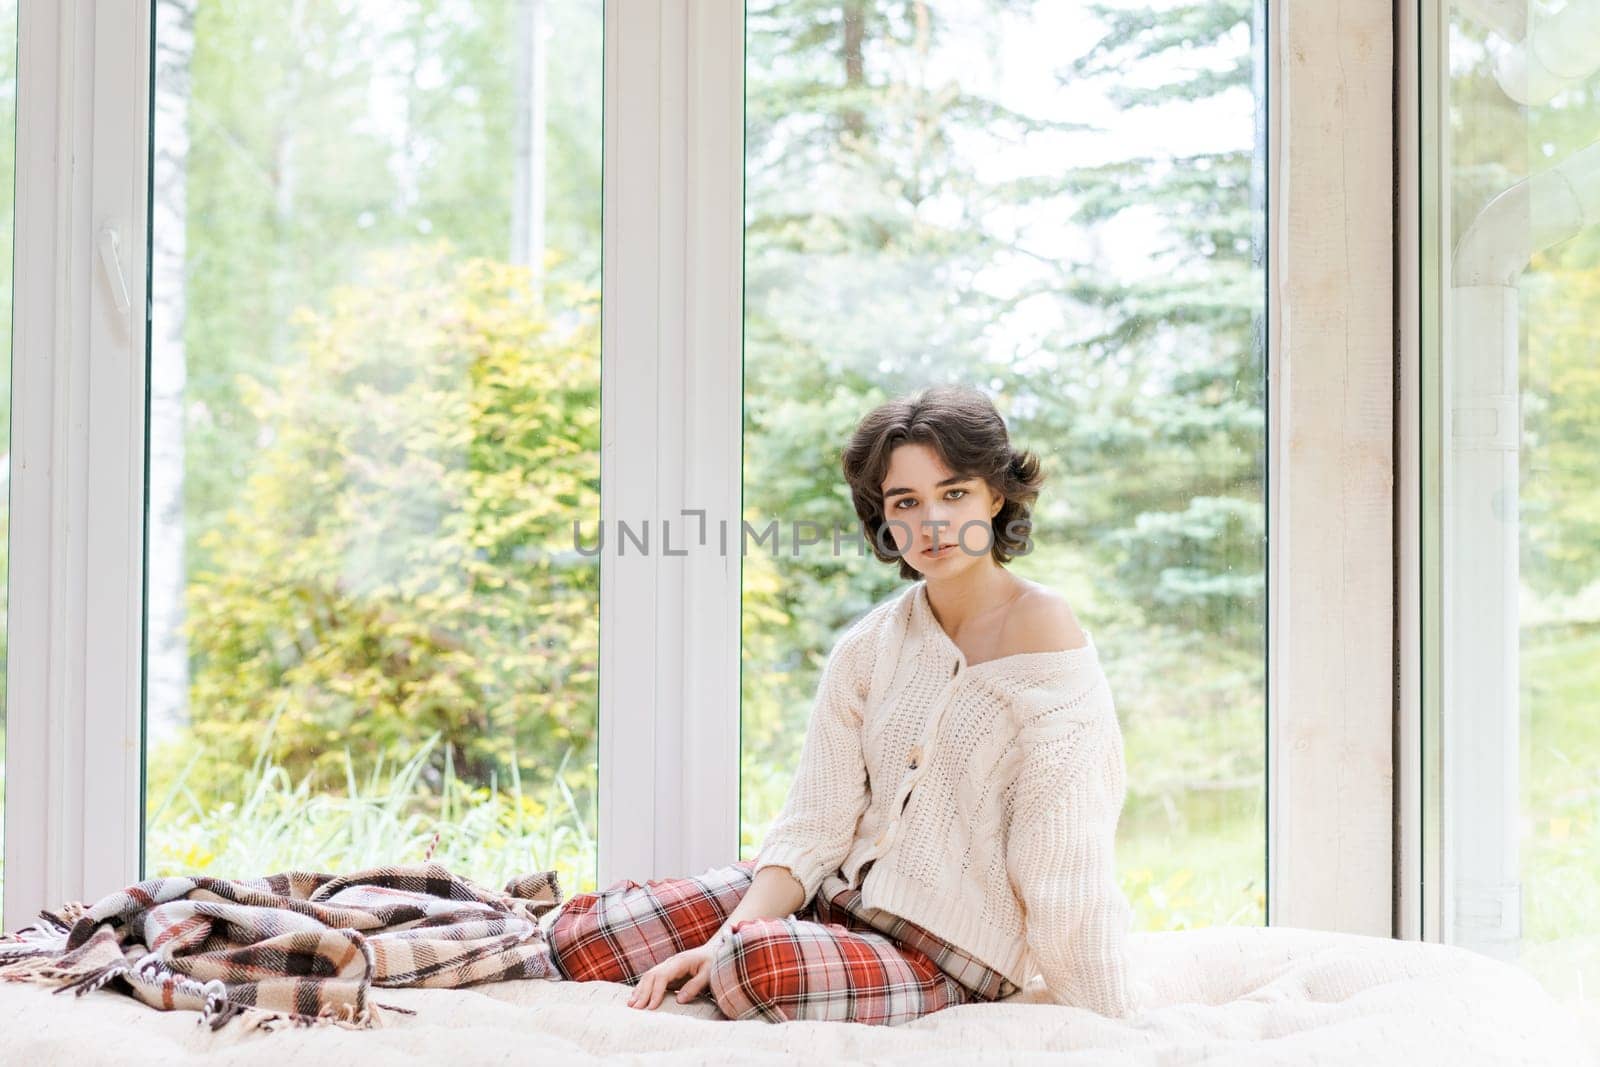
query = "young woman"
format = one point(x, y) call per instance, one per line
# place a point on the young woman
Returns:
point(949, 831)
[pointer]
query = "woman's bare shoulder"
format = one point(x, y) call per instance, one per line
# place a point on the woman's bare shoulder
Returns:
point(1041, 620)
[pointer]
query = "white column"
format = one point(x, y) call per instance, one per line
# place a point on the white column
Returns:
point(1331, 692)
point(73, 684)
point(670, 426)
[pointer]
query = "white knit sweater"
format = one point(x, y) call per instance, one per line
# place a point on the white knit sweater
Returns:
point(987, 796)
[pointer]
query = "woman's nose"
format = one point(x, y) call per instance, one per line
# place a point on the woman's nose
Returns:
point(941, 523)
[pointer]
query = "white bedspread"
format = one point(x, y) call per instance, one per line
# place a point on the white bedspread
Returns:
point(1225, 995)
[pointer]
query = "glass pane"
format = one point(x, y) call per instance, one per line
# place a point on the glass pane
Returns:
point(1517, 396)
point(374, 418)
point(938, 192)
point(8, 156)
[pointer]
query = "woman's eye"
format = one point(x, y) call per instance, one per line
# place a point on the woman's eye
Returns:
point(910, 501)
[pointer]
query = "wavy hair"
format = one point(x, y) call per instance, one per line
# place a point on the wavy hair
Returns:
point(962, 426)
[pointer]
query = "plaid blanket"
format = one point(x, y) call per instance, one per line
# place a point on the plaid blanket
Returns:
point(290, 949)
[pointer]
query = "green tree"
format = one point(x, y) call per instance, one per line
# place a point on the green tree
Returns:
point(1178, 419)
point(321, 132)
point(953, 245)
point(402, 561)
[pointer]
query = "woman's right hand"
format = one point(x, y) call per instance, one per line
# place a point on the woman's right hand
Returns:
point(692, 967)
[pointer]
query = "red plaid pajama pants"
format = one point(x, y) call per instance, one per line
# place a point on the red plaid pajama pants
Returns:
point(834, 961)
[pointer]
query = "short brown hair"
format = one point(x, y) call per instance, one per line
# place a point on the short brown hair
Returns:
point(962, 426)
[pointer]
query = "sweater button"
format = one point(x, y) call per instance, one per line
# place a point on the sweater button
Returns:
point(916, 756)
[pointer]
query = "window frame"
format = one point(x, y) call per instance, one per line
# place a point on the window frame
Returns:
point(1418, 894)
point(77, 495)
point(672, 425)
point(1332, 704)
point(673, 216)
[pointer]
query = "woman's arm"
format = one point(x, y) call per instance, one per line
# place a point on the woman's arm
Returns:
point(1060, 852)
point(811, 835)
point(773, 894)
point(829, 793)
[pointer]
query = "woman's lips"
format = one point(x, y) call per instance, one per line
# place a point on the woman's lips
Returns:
point(940, 553)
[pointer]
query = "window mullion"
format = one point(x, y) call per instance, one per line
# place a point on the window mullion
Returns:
point(77, 464)
point(634, 302)
point(114, 607)
point(671, 423)
point(714, 411)
point(1331, 692)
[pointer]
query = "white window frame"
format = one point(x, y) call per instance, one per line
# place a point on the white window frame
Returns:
point(671, 415)
point(1461, 883)
point(1331, 677)
point(672, 327)
point(73, 701)
point(1417, 818)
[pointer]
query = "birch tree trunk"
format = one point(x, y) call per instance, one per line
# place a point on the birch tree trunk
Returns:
point(528, 187)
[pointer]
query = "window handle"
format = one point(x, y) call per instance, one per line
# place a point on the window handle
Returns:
point(112, 264)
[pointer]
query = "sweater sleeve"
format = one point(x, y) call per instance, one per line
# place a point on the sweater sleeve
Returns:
point(814, 830)
point(1060, 854)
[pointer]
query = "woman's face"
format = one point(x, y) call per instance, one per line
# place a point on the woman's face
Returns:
point(926, 507)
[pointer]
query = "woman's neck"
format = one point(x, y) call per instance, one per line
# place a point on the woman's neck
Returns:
point(961, 600)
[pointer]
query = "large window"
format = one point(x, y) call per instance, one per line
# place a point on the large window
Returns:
point(1512, 428)
point(374, 369)
point(1063, 204)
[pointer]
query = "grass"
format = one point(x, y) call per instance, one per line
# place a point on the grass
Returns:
point(485, 832)
point(1560, 811)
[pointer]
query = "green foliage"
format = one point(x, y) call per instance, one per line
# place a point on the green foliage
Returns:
point(375, 492)
point(1201, 562)
point(1559, 510)
point(319, 133)
point(1559, 805)
point(401, 562)
point(1146, 402)
point(1179, 419)
point(389, 815)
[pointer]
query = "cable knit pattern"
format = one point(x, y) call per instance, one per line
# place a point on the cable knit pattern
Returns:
point(985, 795)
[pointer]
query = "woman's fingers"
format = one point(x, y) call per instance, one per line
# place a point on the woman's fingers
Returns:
point(654, 983)
point(654, 979)
point(696, 984)
point(659, 993)
point(652, 988)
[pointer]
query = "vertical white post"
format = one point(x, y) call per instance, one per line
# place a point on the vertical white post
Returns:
point(629, 419)
point(670, 423)
point(713, 468)
point(73, 743)
point(1330, 758)
point(41, 426)
point(1410, 263)
point(114, 606)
